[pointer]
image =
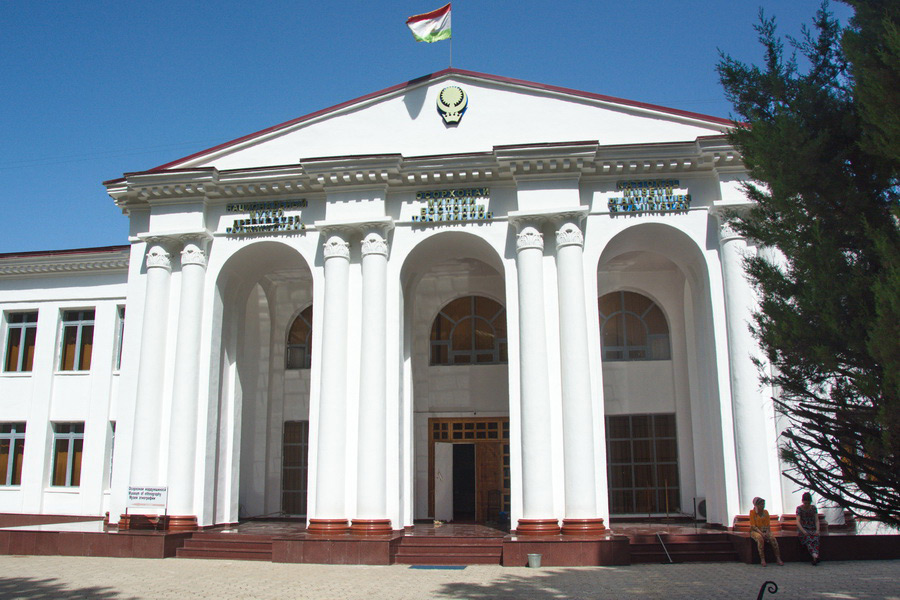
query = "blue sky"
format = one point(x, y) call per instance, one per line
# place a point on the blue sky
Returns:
point(95, 88)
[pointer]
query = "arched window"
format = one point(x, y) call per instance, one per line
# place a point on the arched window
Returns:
point(299, 352)
point(469, 330)
point(632, 327)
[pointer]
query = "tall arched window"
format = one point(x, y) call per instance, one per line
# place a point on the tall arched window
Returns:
point(469, 330)
point(299, 352)
point(632, 327)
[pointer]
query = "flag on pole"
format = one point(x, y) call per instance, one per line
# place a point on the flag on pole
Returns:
point(431, 27)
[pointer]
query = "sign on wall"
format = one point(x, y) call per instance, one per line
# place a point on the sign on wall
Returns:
point(266, 217)
point(656, 195)
point(147, 497)
point(453, 206)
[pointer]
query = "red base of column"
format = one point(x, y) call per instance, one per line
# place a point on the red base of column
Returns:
point(583, 527)
point(537, 527)
point(327, 526)
point(371, 526)
point(182, 523)
point(142, 522)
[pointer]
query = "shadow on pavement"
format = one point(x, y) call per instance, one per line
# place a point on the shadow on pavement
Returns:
point(28, 588)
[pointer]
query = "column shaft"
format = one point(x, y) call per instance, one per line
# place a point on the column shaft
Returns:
point(371, 502)
point(748, 401)
point(183, 429)
point(534, 384)
point(148, 404)
point(578, 420)
point(331, 515)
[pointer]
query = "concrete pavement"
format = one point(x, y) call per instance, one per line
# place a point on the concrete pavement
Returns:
point(58, 577)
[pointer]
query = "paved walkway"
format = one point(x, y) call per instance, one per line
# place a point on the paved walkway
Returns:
point(46, 577)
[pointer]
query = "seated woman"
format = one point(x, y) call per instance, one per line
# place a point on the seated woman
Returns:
point(808, 527)
point(760, 530)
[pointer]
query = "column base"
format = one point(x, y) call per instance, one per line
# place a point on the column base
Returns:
point(583, 527)
point(327, 526)
point(182, 523)
point(537, 527)
point(371, 526)
point(135, 521)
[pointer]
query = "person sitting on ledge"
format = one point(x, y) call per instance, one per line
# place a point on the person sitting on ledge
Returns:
point(760, 530)
point(808, 527)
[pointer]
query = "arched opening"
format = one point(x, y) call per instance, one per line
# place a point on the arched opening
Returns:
point(264, 308)
point(456, 360)
point(659, 375)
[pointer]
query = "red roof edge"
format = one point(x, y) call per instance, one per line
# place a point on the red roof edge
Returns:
point(436, 75)
point(96, 250)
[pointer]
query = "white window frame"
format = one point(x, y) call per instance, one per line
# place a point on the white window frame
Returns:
point(23, 327)
point(14, 437)
point(79, 323)
point(71, 437)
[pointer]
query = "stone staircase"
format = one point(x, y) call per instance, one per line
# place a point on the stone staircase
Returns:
point(446, 550)
point(227, 546)
point(706, 547)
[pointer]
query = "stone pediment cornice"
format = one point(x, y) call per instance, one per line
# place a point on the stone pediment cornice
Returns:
point(587, 159)
point(64, 263)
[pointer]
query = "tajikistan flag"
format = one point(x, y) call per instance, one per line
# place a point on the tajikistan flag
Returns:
point(431, 27)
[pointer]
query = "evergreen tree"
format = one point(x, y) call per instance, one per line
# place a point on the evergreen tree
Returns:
point(821, 145)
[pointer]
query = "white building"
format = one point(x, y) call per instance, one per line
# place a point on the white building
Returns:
point(463, 297)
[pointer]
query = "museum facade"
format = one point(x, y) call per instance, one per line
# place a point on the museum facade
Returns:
point(463, 298)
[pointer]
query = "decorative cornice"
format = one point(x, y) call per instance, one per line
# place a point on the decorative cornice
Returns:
point(503, 163)
point(67, 264)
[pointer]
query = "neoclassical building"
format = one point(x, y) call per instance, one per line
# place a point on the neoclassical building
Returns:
point(464, 298)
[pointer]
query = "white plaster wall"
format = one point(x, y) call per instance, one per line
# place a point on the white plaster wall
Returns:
point(46, 395)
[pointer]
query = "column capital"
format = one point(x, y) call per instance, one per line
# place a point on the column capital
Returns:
point(336, 247)
point(529, 237)
point(158, 256)
point(374, 243)
point(193, 253)
point(569, 234)
point(724, 215)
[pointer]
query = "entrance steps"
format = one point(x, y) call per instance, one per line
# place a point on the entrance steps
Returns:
point(227, 546)
point(446, 550)
point(706, 547)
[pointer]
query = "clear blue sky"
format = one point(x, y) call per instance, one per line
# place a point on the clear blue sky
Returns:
point(93, 89)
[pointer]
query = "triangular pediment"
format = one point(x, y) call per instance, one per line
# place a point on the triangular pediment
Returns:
point(404, 120)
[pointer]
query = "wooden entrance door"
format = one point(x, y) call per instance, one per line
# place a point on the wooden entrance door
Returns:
point(488, 481)
point(490, 436)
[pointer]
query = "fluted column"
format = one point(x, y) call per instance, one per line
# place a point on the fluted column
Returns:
point(534, 387)
point(148, 404)
point(371, 495)
point(331, 514)
point(749, 402)
point(183, 424)
point(578, 430)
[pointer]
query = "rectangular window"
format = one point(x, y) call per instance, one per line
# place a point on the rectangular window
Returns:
point(20, 336)
point(68, 443)
point(642, 456)
point(294, 467)
point(12, 450)
point(120, 335)
point(77, 340)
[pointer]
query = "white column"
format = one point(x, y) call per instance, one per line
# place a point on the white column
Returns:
point(371, 499)
point(183, 427)
point(331, 515)
point(534, 385)
point(578, 421)
point(749, 402)
point(148, 404)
